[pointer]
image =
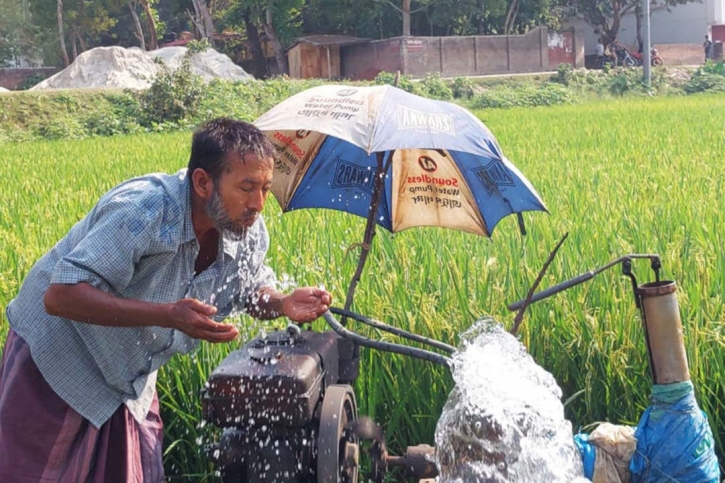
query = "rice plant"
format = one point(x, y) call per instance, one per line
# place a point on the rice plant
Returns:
point(620, 177)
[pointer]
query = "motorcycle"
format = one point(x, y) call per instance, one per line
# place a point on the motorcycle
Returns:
point(621, 57)
point(605, 61)
point(655, 58)
point(624, 58)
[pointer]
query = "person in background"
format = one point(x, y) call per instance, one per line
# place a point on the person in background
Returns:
point(150, 271)
point(707, 45)
point(600, 48)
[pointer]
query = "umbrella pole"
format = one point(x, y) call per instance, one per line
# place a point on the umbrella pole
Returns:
point(370, 226)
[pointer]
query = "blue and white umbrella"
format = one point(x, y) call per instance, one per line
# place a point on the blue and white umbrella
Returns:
point(397, 159)
point(439, 165)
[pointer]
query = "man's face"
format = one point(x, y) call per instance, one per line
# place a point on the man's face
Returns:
point(239, 194)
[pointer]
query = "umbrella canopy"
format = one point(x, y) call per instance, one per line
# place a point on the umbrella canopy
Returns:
point(435, 162)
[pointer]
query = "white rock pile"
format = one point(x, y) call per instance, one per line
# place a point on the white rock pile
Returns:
point(133, 68)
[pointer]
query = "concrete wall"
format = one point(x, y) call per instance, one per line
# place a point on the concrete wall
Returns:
point(457, 56)
point(367, 60)
point(12, 78)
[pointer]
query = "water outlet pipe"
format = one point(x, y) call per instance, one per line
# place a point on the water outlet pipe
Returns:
point(663, 332)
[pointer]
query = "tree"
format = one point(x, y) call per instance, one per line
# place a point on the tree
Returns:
point(279, 54)
point(203, 20)
point(151, 21)
point(137, 24)
point(64, 28)
point(470, 17)
point(61, 33)
point(17, 33)
point(279, 20)
point(359, 18)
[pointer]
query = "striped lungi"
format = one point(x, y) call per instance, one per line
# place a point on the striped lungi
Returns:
point(42, 439)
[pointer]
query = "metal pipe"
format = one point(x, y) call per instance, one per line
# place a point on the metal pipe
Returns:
point(663, 332)
point(386, 346)
point(554, 290)
point(418, 462)
point(646, 54)
point(394, 330)
point(587, 276)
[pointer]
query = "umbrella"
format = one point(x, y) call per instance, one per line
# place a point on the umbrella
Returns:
point(397, 159)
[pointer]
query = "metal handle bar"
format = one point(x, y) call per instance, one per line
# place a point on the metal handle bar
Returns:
point(394, 330)
point(385, 346)
point(587, 276)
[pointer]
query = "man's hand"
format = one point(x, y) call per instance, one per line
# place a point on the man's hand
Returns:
point(306, 304)
point(191, 317)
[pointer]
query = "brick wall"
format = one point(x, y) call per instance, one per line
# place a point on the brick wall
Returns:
point(12, 78)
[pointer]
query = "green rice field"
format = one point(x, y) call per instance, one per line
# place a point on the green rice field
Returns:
point(641, 175)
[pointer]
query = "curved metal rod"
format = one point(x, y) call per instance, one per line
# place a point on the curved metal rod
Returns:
point(655, 259)
point(386, 346)
point(394, 330)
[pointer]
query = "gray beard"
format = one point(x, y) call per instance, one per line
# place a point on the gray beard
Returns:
point(214, 209)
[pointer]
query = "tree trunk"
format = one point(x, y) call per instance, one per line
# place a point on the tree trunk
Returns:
point(640, 41)
point(77, 31)
point(406, 18)
point(259, 60)
point(137, 24)
point(153, 37)
point(61, 33)
point(279, 53)
point(511, 16)
point(612, 32)
point(203, 20)
point(197, 24)
point(74, 44)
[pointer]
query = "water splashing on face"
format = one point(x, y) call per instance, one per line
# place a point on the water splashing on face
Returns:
point(504, 420)
point(229, 228)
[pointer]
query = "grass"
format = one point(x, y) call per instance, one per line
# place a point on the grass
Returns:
point(637, 175)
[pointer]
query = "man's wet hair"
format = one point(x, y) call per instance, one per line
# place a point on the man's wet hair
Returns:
point(217, 138)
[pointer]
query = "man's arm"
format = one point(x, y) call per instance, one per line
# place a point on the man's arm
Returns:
point(85, 303)
point(302, 305)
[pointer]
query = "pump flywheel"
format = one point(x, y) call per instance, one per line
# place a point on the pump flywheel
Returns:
point(338, 448)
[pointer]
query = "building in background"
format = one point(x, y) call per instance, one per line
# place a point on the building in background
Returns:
point(685, 24)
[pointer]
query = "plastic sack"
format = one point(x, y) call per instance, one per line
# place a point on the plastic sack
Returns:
point(606, 453)
point(674, 439)
point(588, 453)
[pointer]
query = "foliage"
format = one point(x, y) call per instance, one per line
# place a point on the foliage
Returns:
point(462, 88)
point(89, 24)
point(713, 67)
point(173, 96)
point(105, 113)
point(404, 81)
point(434, 86)
point(18, 36)
point(621, 83)
point(564, 74)
point(709, 77)
point(703, 81)
point(525, 95)
point(30, 81)
point(198, 46)
point(621, 80)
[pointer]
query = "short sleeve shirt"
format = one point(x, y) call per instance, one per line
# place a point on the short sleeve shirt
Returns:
point(138, 242)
